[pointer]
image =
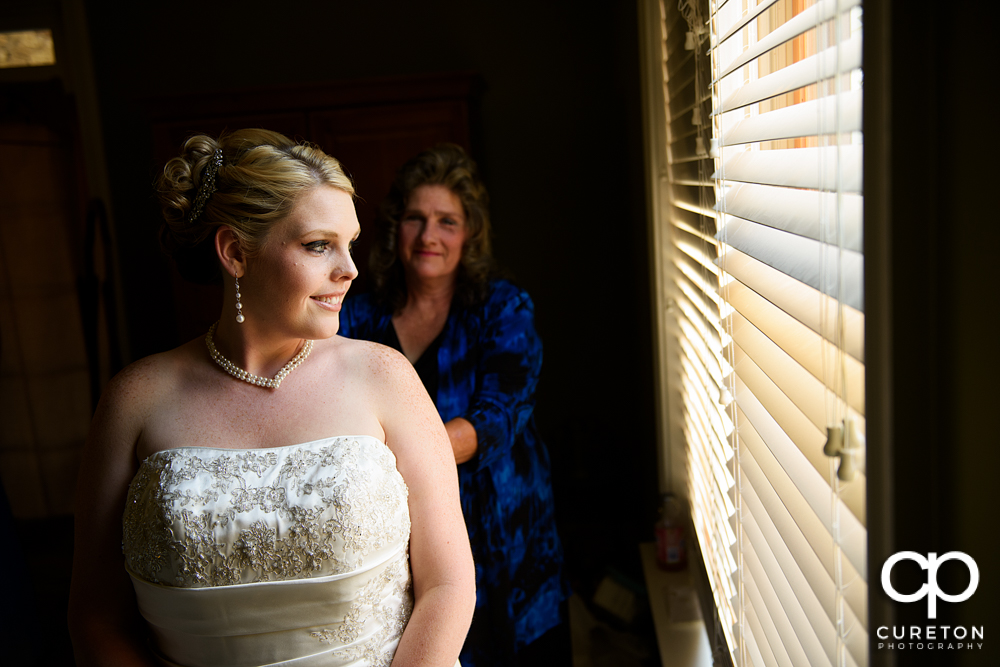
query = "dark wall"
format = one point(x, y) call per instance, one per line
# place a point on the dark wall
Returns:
point(928, 191)
point(556, 131)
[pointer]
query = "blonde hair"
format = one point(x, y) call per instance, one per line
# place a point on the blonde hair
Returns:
point(261, 176)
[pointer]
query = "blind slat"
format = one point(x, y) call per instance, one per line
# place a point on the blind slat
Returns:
point(834, 60)
point(719, 497)
point(709, 491)
point(681, 159)
point(808, 19)
point(676, 64)
point(767, 540)
point(822, 314)
point(756, 659)
point(698, 311)
point(804, 212)
point(781, 605)
point(823, 168)
point(709, 418)
point(701, 368)
point(813, 486)
point(795, 414)
point(808, 261)
point(787, 504)
point(708, 239)
point(805, 617)
point(706, 285)
point(793, 424)
point(694, 208)
point(805, 367)
point(801, 566)
point(827, 115)
point(743, 20)
point(769, 643)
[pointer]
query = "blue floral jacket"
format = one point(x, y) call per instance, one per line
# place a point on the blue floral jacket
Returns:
point(488, 363)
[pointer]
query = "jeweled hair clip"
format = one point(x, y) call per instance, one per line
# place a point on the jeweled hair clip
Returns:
point(207, 188)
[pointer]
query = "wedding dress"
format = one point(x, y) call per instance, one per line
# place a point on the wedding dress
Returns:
point(294, 555)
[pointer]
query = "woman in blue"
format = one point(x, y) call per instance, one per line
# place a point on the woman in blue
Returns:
point(473, 343)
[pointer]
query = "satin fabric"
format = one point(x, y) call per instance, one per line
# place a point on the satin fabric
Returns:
point(268, 623)
point(294, 555)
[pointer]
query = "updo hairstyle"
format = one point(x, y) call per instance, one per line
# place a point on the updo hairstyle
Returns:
point(448, 165)
point(261, 176)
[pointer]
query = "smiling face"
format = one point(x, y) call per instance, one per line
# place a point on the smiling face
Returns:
point(296, 283)
point(432, 232)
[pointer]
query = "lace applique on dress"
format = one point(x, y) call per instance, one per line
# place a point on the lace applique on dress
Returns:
point(296, 553)
point(204, 517)
point(390, 620)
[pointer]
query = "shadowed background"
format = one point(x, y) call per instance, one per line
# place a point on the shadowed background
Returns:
point(551, 93)
point(554, 119)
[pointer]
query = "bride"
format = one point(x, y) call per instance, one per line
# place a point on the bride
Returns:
point(271, 493)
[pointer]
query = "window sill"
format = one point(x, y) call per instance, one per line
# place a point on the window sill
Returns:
point(680, 629)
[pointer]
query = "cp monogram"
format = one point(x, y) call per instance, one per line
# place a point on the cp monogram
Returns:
point(930, 589)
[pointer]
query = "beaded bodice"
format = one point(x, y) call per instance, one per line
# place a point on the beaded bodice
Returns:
point(199, 516)
point(262, 557)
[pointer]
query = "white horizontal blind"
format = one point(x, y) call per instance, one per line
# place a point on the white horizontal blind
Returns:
point(696, 338)
point(769, 317)
point(786, 96)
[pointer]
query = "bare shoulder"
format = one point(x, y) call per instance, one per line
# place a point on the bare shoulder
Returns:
point(140, 383)
point(137, 382)
point(382, 366)
point(135, 392)
point(394, 391)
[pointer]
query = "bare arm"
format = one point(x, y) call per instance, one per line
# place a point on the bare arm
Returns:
point(103, 619)
point(462, 434)
point(440, 557)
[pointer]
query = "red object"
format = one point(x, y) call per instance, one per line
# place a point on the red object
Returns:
point(671, 552)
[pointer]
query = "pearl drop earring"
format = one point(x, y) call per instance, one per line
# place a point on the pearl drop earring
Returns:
point(239, 306)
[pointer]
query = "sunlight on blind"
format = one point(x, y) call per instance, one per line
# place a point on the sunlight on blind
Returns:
point(764, 153)
point(27, 48)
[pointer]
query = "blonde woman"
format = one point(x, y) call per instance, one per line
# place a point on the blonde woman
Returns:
point(271, 493)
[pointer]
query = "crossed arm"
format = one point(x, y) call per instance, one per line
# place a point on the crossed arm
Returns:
point(508, 363)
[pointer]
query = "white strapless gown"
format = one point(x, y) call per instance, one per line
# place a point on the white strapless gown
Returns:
point(288, 556)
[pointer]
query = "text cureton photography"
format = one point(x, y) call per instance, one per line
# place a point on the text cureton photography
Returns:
point(929, 637)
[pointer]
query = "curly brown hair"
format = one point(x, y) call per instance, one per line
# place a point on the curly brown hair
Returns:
point(448, 165)
point(262, 175)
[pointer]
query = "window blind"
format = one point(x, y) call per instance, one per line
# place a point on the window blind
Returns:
point(763, 345)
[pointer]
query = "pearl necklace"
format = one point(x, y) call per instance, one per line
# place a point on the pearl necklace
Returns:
point(241, 374)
